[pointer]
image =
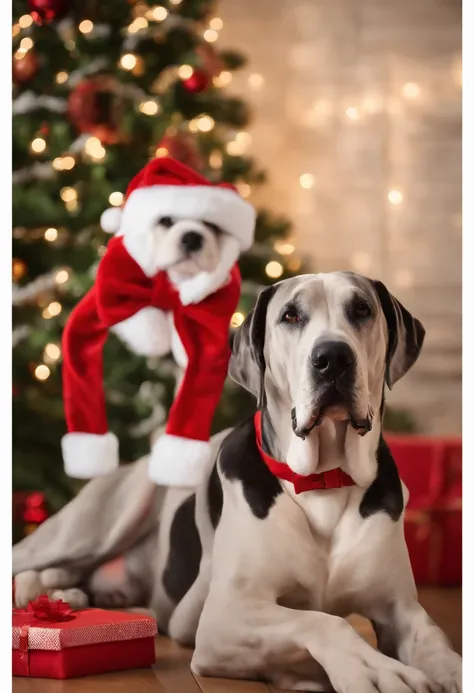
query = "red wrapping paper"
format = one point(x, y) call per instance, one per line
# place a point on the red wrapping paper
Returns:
point(70, 643)
point(431, 468)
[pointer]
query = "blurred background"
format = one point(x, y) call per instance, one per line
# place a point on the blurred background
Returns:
point(339, 120)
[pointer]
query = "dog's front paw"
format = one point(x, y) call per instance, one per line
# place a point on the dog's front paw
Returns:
point(196, 289)
point(445, 670)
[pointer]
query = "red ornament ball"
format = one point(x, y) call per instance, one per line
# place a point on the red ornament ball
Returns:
point(44, 11)
point(25, 68)
point(197, 83)
point(96, 106)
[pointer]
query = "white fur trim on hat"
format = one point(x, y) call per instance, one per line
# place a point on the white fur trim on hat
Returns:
point(110, 219)
point(220, 206)
point(87, 455)
point(177, 461)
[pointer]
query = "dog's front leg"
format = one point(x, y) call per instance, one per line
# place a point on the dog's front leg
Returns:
point(255, 639)
point(405, 631)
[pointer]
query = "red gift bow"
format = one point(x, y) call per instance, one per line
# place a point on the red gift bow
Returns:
point(40, 610)
point(45, 609)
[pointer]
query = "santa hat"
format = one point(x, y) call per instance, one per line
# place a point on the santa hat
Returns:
point(167, 188)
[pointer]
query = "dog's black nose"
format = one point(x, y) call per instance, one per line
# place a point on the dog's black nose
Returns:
point(191, 241)
point(332, 359)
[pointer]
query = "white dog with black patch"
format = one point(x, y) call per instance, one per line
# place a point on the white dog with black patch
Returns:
point(300, 522)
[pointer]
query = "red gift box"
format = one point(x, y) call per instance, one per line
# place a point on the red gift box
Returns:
point(49, 640)
point(431, 468)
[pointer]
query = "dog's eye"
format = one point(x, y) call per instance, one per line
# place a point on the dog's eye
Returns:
point(362, 309)
point(291, 316)
point(167, 222)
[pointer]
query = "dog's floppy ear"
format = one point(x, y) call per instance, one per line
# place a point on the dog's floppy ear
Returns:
point(247, 363)
point(405, 335)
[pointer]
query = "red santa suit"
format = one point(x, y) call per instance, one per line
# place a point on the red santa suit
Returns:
point(124, 292)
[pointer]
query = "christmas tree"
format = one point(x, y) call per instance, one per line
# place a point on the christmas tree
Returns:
point(100, 88)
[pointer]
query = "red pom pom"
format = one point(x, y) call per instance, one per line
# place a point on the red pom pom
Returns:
point(197, 83)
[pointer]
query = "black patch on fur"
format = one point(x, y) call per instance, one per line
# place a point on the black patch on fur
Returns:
point(214, 497)
point(385, 494)
point(240, 461)
point(185, 552)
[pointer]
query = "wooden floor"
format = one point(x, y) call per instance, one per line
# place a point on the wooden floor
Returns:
point(171, 672)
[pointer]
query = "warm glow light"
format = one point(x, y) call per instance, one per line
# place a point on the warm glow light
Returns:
point(51, 234)
point(61, 277)
point(137, 25)
point(255, 81)
point(237, 319)
point(94, 149)
point(161, 151)
point(16, 28)
point(223, 79)
point(68, 194)
point(352, 113)
point(210, 35)
point(42, 372)
point(294, 264)
point(175, 2)
point(215, 160)
point(235, 148)
point(410, 90)
point(307, 180)
point(52, 310)
point(216, 23)
point(128, 61)
point(395, 197)
point(284, 248)
point(26, 44)
point(116, 199)
point(205, 123)
point(244, 189)
point(65, 163)
point(86, 26)
point(245, 138)
point(274, 269)
point(149, 107)
point(38, 145)
point(159, 13)
point(185, 71)
point(193, 125)
point(25, 21)
point(92, 145)
point(52, 352)
point(68, 163)
point(361, 262)
point(61, 77)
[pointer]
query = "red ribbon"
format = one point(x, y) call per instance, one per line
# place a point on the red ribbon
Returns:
point(40, 610)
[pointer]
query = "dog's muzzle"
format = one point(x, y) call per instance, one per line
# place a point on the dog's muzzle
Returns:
point(333, 371)
point(191, 242)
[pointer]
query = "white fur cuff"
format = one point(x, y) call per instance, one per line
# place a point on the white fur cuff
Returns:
point(146, 333)
point(176, 461)
point(87, 455)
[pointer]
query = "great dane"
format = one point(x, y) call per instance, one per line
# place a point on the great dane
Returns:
point(260, 566)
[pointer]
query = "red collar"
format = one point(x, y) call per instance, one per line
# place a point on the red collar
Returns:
point(335, 478)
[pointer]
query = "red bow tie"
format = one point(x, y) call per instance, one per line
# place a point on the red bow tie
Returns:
point(335, 478)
